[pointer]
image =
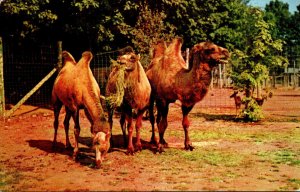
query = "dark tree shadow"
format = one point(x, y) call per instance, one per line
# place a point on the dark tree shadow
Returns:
point(119, 145)
point(214, 117)
point(86, 156)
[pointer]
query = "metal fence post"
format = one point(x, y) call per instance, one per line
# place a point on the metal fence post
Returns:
point(2, 97)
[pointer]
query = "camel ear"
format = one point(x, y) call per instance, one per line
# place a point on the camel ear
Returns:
point(138, 57)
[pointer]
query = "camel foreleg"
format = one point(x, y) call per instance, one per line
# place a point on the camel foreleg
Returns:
point(186, 124)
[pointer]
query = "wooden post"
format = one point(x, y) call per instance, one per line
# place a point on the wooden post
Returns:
point(2, 96)
point(187, 58)
point(59, 58)
point(220, 77)
point(33, 90)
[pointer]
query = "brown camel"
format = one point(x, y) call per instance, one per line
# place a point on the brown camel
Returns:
point(75, 87)
point(170, 81)
point(137, 92)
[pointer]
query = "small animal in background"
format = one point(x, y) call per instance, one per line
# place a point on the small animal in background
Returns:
point(237, 101)
point(260, 101)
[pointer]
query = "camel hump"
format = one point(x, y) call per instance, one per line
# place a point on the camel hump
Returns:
point(175, 46)
point(67, 57)
point(159, 48)
point(86, 58)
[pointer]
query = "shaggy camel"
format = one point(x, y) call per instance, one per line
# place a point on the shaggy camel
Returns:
point(75, 87)
point(170, 81)
point(136, 95)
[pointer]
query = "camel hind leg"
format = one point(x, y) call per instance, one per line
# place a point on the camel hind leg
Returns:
point(57, 107)
point(75, 116)
point(123, 127)
point(152, 120)
point(66, 126)
point(163, 110)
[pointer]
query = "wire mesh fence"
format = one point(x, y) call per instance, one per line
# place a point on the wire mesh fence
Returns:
point(25, 65)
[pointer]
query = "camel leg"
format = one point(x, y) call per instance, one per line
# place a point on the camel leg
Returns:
point(130, 148)
point(152, 120)
point(138, 126)
point(110, 121)
point(186, 124)
point(66, 125)
point(75, 116)
point(163, 124)
point(57, 107)
point(87, 114)
point(123, 127)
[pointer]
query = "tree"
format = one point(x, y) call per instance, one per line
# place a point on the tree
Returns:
point(277, 13)
point(250, 66)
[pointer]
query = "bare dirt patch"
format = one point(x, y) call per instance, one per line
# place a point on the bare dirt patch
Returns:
point(229, 155)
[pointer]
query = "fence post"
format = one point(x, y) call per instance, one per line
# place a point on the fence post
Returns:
point(59, 58)
point(2, 97)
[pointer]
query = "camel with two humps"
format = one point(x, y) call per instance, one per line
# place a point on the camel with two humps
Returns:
point(136, 96)
point(170, 81)
point(76, 88)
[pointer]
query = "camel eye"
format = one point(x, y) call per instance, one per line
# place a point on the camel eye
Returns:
point(132, 58)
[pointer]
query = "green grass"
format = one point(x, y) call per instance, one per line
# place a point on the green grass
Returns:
point(284, 156)
point(8, 178)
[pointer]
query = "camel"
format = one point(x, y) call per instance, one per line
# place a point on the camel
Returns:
point(75, 87)
point(136, 96)
point(170, 81)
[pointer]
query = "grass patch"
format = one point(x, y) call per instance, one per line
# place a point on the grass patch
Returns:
point(216, 158)
point(7, 179)
point(295, 183)
point(281, 157)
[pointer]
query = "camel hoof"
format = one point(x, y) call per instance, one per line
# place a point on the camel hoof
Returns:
point(161, 148)
point(129, 152)
point(189, 147)
point(138, 148)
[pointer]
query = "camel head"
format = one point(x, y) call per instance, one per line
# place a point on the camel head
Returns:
point(210, 53)
point(101, 139)
point(130, 60)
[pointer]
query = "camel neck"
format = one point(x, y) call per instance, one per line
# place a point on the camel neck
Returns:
point(202, 73)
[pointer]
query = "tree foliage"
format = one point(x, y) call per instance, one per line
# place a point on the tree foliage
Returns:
point(255, 37)
point(251, 65)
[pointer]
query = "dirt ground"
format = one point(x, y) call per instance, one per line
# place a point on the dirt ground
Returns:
point(251, 160)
